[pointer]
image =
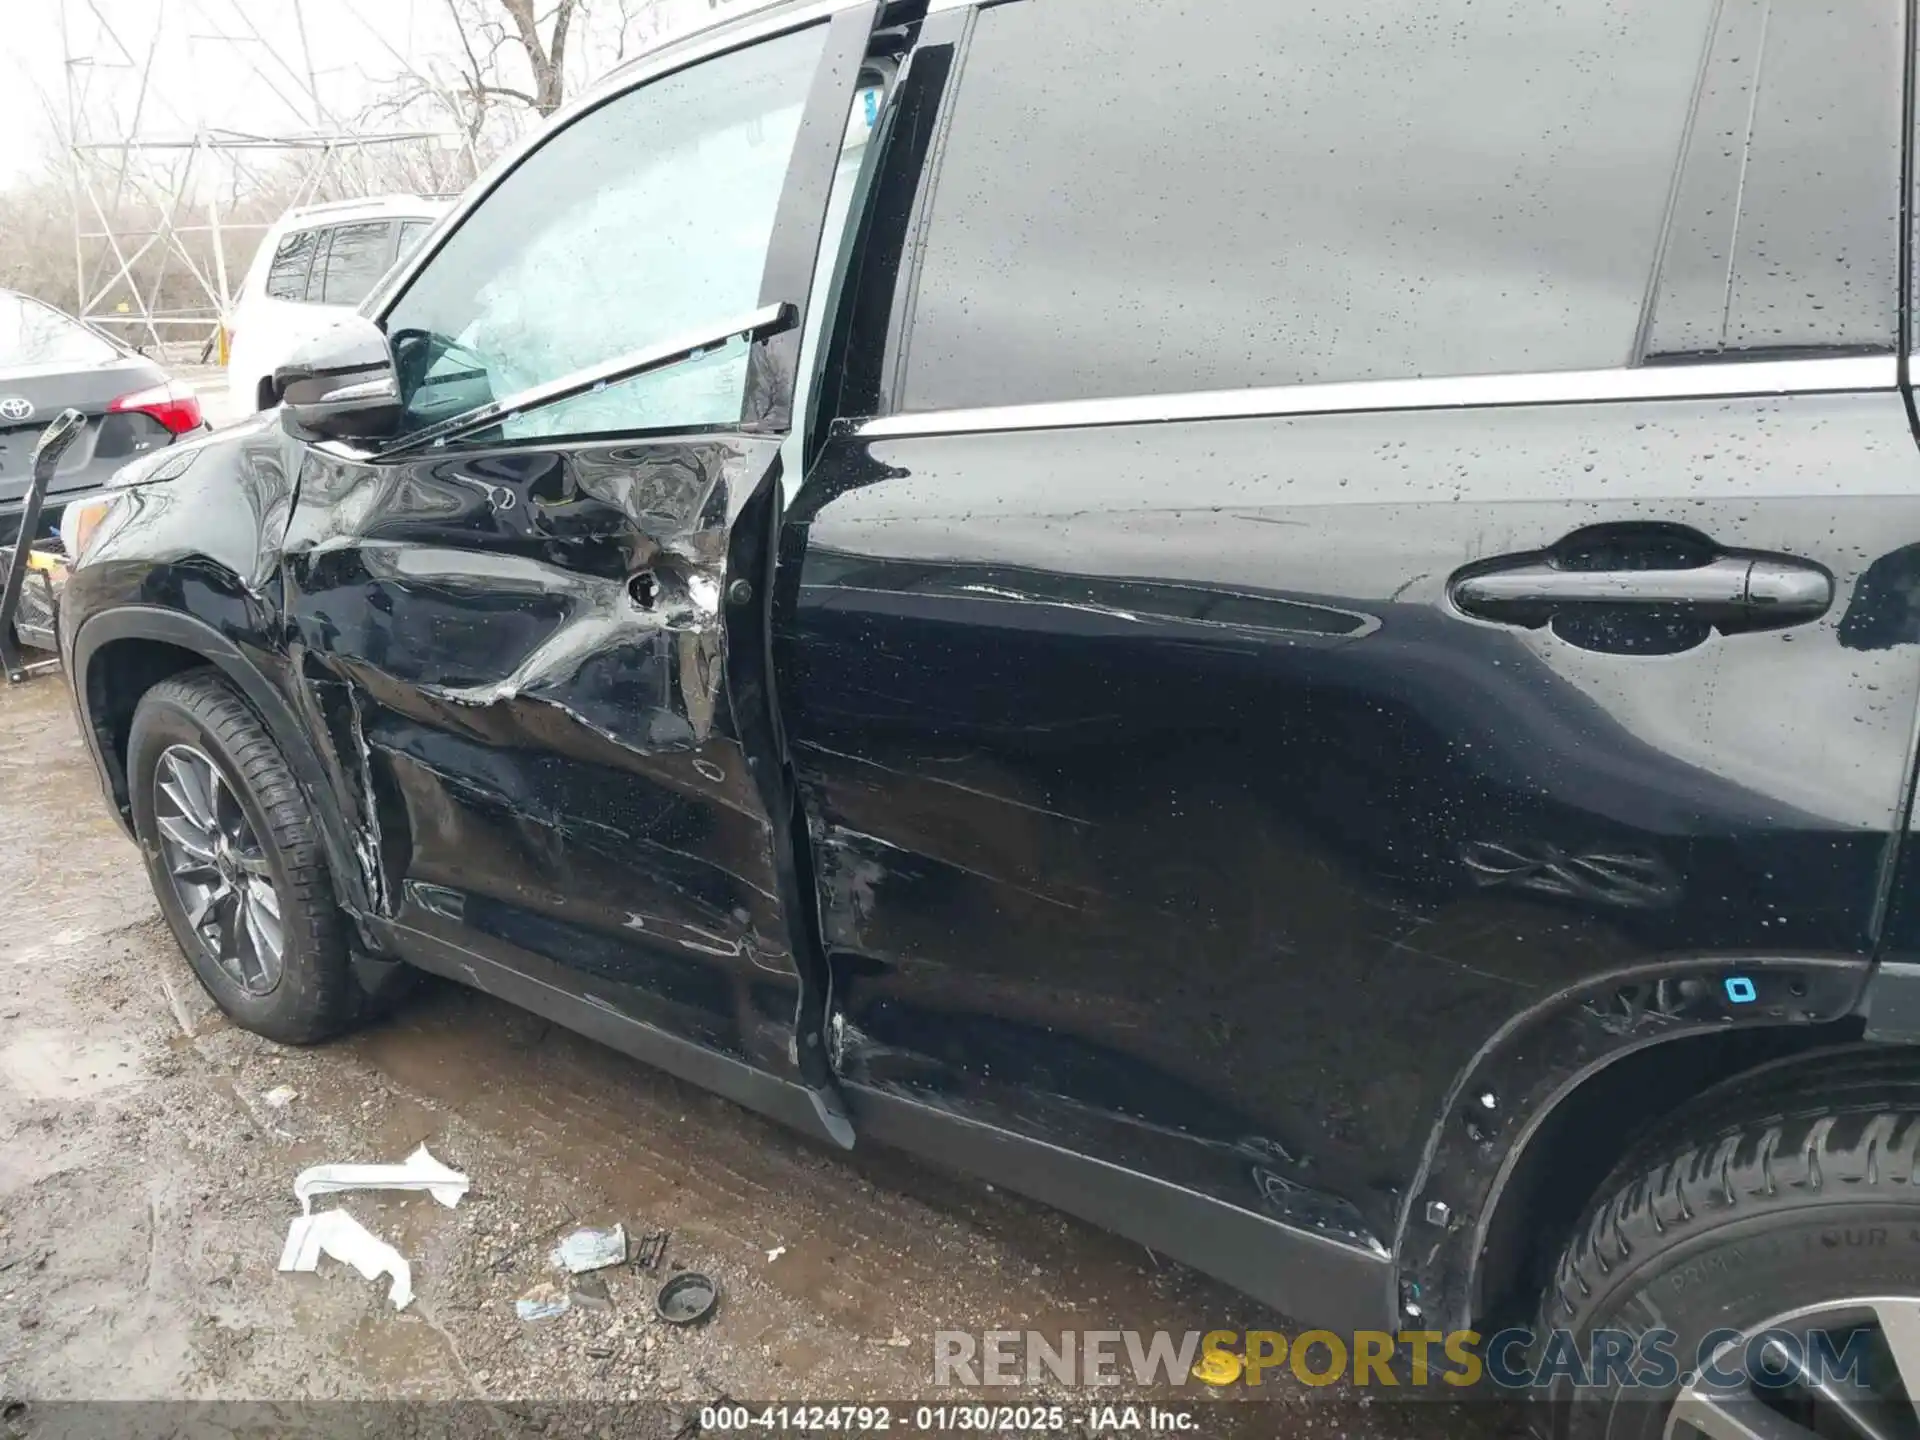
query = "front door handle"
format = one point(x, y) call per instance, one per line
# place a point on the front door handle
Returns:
point(1733, 592)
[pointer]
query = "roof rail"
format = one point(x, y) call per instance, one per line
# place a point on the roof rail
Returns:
point(327, 206)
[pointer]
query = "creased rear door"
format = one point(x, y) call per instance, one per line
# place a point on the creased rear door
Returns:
point(536, 653)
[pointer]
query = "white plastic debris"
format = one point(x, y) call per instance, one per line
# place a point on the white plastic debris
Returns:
point(586, 1250)
point(336, 1233)
point(542, 1302)
point(775, 1253)
point(419, 1171)
point(280, 1097)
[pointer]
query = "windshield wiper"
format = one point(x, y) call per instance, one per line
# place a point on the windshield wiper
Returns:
point(770, 320)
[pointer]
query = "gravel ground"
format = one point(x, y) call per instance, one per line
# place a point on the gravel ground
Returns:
point(146, 1188)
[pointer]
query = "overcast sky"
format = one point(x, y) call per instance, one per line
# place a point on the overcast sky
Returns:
point(236, 64)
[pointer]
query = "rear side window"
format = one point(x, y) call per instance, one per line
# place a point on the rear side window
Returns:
point(33, 334)
point(1213, 194)
point(1785, 231)
point(359, 256)
point(287, 280)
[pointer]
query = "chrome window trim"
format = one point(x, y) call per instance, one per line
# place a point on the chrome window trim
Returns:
point(690, 50)
point(1719, 379)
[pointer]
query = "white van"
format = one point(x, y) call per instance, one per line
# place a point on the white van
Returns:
point(316, 264)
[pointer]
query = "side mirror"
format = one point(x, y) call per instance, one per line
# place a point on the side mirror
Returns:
point(340, 385)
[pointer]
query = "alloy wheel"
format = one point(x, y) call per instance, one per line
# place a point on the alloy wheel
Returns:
point(1780, 1381)
point(218, 869)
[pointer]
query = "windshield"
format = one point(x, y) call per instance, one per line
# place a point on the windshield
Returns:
point(34, 335)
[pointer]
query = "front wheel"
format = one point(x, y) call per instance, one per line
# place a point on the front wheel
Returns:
point(1777, 1250)
point(231, 849)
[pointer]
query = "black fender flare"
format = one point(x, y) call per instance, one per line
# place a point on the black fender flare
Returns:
point(172, 627)
point(1540, 1058)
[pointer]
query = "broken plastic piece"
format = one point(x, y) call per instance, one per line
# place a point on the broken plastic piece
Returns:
point(586, 1250)
point(419, 1171)
point(543, 1302)
point(336, 1233)
point(591, 1293)
point(280, 1097)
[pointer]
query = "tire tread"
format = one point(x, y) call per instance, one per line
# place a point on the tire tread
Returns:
point(1844, 1139)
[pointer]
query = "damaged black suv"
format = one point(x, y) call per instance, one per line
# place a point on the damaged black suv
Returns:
point(1292, 628)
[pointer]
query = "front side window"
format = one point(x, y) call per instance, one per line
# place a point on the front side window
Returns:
point(359, 256)
point(287, 280)
point(645, 219)
point(1219, 194)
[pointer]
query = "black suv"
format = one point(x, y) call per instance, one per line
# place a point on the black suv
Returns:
point(1295, 628)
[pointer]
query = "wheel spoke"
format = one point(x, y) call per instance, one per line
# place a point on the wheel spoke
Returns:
point(268, 898)
point(1736, 1416)
point(220, 798)
point(255, 864)
point(189, 835)
point(1900, 1327)
point(263, 922)
point(189, 786)
point(249, 961)
point(200, 906)
point(1854, 1403)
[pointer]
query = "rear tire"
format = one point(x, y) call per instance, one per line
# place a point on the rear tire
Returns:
point(1799, 1199)
point(225, 832)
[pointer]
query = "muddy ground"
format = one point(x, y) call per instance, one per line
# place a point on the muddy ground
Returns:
point(146, 1188)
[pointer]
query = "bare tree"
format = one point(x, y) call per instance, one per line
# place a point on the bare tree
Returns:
point(635, 25)
point(471, 83)
point(546, 58)
point(545, 40)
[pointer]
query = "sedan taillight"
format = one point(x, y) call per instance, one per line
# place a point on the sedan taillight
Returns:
point(174, 406)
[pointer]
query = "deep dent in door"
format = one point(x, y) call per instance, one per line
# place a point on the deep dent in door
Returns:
point(480, 637)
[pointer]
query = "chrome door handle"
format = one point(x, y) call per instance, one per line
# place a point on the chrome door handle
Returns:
point(1734, 592)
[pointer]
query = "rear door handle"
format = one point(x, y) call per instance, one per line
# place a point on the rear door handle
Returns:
point(1734, 592)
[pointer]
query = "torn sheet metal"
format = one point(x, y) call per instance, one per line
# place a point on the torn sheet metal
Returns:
point(336, 1233)
point(419, 1171)
point(586, 1250)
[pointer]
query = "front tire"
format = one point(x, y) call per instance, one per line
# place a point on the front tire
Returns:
point(231, 849)
point(1790, 1210)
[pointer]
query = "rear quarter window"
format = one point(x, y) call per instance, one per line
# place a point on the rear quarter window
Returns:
point(412, 232)
point(287, 277)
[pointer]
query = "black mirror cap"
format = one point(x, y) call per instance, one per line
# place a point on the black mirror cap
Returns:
point(340, 385)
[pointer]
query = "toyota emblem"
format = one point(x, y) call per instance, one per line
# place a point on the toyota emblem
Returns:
point(16, 407)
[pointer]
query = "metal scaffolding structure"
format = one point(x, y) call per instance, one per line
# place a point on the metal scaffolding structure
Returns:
point(153, 189)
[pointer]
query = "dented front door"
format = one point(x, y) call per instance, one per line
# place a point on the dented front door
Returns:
point(519, 647)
